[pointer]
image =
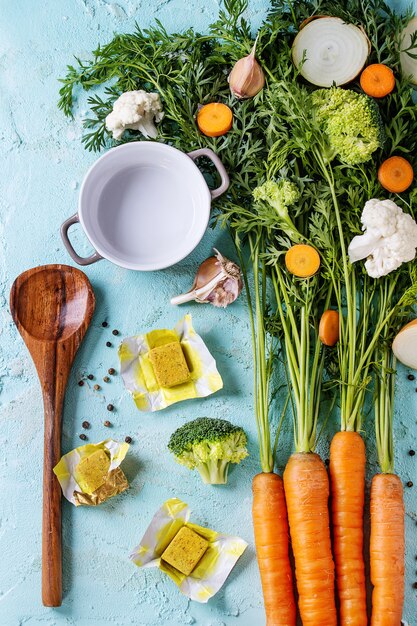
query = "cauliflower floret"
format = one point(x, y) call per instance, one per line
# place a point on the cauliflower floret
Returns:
point(135, 110)
point(390, 238)
point(381, 217)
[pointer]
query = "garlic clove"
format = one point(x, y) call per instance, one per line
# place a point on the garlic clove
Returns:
point(218, 281)
point(246, 78)
point(208, 270)
point(225, 293)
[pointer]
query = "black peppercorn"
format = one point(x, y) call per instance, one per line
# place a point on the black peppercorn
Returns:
point(411, 377)
point(80, 383)
point(112, 371)
point(110, 407)
point(115, 331)
point(83, 437)
point(108, 344)
point(104, 324)
point(86, 424)
point(410, 483)
point(90, 377)
point(97, 387)
point(415, 585)
point(128, 439)
point(411, 452)
point(107, 424)
point(106, 379)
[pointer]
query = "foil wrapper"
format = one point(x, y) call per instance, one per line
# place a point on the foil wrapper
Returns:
point(115, 482)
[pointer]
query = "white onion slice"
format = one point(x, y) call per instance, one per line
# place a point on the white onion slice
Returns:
point(405, 345)
point(408, 64)
point(335, 52)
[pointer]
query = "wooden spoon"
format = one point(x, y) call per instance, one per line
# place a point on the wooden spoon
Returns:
point(52, 306)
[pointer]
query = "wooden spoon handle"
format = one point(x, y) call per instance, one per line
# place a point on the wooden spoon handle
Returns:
point(51, 517)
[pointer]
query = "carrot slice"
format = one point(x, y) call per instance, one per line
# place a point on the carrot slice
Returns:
point(396, 174)
point(214, 119)
point(302, 260)
point(347, 460)
point(387, 550)
point(270, 526)
point(377, 80)
point(329, 327)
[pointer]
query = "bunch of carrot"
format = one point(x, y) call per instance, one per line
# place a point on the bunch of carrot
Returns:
point(356, 326)
point(321, 301)
point(303, 495)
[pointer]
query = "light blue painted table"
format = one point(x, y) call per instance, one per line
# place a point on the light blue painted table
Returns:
point(42, 165)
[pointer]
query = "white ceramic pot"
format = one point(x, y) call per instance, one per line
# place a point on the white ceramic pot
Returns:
point(144, 205)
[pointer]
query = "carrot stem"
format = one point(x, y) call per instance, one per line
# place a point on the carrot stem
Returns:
point(304, 359)
point(262, 372)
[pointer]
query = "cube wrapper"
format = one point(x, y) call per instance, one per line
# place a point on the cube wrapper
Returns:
point(164, 366)
point(197, 559)
point(90, 474)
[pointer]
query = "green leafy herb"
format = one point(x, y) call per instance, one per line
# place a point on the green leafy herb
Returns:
point(275, 137)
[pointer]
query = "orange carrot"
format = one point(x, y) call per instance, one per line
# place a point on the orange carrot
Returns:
point(270, 525)
point(215, 119)
point(396, 174)
point(377, 80)
point(347, 480)
point(302, 260)
point(387, 550)
point(307, 493)
point(329, 327)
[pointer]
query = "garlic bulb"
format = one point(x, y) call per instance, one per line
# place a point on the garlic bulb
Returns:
point(246, 78)
point(218, 281)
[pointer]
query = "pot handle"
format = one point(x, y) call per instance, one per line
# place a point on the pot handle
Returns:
point(64, 234)
point(206, 152)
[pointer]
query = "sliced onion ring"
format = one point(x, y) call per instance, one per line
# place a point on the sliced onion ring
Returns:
point(335, 52)
point(408, 64)
point(405, 345)
point(307, 20)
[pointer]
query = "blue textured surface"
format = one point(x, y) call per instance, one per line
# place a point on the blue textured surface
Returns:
point(42, 165)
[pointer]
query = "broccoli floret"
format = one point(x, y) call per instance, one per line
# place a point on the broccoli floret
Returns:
point(352, 122)
point(209, 445)
point(280, 195)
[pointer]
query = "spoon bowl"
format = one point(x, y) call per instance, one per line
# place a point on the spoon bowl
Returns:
point(52, 306)
point(58, 318)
